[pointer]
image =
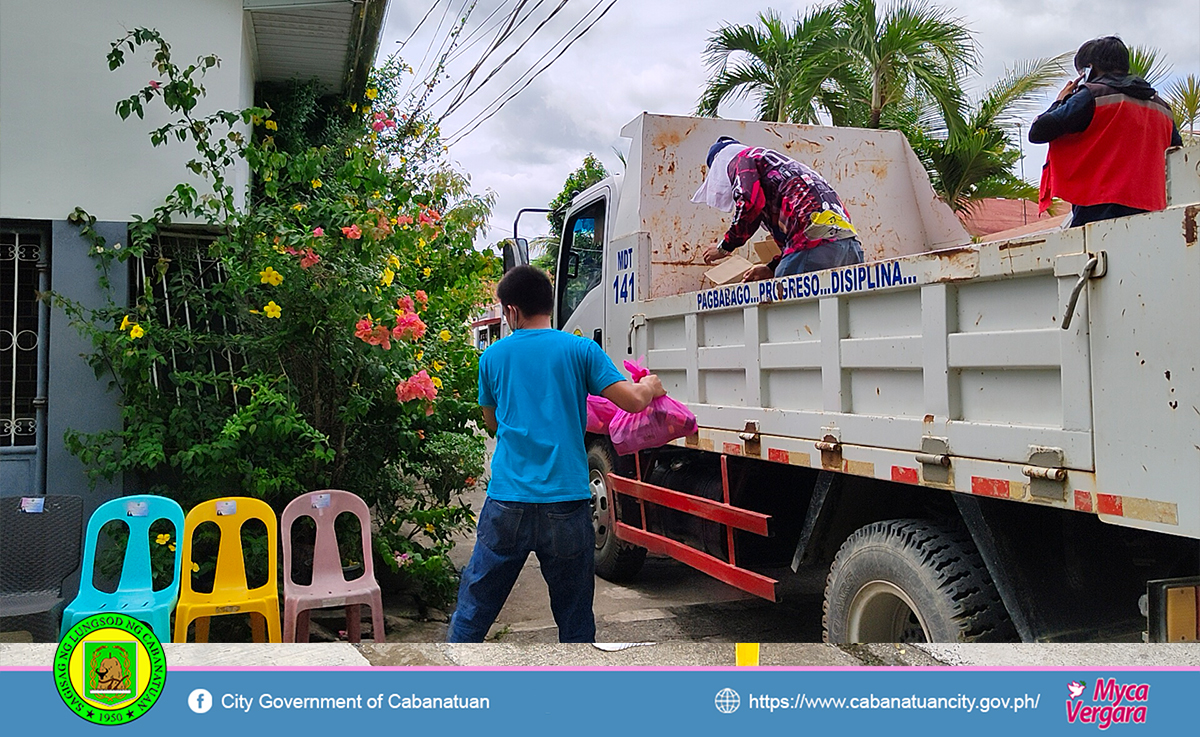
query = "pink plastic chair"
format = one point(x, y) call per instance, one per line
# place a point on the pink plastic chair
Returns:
point(329, 587)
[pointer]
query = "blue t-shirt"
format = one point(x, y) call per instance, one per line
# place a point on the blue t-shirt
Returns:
point(538, 381)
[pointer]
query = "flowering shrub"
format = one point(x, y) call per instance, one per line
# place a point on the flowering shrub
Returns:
point(334, 273)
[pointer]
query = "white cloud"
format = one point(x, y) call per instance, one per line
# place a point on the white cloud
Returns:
point(646, 55)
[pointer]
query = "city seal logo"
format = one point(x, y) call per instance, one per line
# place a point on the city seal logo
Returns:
point(110, 669)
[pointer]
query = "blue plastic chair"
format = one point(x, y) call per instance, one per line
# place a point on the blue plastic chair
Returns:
point(135, 595)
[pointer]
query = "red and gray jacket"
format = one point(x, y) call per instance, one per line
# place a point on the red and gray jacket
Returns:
point(1117, 158)
point(794, 202)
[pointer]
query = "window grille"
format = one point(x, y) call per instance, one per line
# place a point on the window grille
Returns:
point(177, 270)
point(19, 256)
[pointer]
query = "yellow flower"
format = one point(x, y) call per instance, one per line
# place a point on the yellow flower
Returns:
point(270, 276)
point(316, 184)
point(436, 382)
point(366, 109)
point(427, 271)
point(279, 248)
point(354, 107)
point(125, 323)
point(372, 93)
point(272, 125)
point(393, 261)
point(271, 309)
point(298, 206)
point(171, 547)
point(420, 243)
point(136, 331)
point(420, 355)
point(195, 568)
point(163, 539)
point(438, 365)
point(429, 527)
point(444, 335)
point(387, 277)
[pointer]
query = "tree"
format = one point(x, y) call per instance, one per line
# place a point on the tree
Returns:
point(588, 173)
point(911, 49)
point(976, 161)
point(1183, 95)
point(780, 64)
point(1145, 62)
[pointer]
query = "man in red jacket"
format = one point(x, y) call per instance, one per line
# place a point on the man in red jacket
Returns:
point(1108, 132)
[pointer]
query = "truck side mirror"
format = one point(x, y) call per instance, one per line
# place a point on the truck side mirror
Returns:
point(516, 253)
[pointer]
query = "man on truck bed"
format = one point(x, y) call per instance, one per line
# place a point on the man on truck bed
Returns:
point(802, 212)
point(1108, 132)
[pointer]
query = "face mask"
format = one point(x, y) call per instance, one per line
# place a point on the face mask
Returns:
point(717, 190)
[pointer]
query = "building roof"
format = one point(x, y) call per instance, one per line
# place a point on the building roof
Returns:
point(332, 40)
point(995, 214)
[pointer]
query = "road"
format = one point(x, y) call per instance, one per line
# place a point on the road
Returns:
point(667, 601)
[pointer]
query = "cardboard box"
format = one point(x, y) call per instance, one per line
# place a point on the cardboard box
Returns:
point(728, 271)
point(763, 251)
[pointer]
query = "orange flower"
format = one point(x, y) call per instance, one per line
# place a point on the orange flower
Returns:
point(353, 232)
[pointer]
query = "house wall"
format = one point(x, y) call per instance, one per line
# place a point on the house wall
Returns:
point(61, 144)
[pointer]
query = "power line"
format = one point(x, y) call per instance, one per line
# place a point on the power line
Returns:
point(463, 132)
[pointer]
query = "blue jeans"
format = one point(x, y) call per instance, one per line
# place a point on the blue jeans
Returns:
point(831, 255)
point(561, 535)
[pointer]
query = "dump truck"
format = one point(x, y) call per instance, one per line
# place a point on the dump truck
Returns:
point(992, 441)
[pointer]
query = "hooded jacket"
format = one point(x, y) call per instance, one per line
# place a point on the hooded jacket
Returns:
point(1107, 142)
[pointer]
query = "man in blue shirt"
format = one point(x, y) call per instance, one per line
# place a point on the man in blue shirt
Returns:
point(533, 388)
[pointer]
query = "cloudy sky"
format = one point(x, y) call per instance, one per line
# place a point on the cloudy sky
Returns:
point(646, 55)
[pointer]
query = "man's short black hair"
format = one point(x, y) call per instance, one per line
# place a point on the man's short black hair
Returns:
point(1107, 55)
point(528, 289)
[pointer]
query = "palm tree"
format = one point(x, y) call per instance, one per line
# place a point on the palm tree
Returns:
point(1183, 95)
point(976, 161)
point(1144, 62)
point(775, 61)
point(911, 48)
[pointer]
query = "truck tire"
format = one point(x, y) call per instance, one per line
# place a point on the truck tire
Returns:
point(616, 560)
point(910, 580)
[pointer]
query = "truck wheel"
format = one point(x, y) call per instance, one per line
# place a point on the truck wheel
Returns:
point(616, 560)
point(910, 580)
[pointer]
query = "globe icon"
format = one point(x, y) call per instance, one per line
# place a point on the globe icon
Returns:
point(728, 701)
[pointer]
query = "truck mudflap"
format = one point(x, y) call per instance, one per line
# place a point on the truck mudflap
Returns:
point(721, 512)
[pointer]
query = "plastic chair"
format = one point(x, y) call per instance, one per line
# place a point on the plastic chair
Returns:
point(329, 587)
point(37, 551)
point(135, 595)
point(231, 594)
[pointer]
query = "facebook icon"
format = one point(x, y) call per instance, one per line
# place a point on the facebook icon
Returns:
point(200, 701)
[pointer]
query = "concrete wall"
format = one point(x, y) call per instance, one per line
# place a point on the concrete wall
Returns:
point(61, 143)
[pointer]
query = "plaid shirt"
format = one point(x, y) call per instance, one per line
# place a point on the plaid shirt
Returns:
point(782, 194)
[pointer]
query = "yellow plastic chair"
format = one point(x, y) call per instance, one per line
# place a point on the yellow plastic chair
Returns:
point(231, 594)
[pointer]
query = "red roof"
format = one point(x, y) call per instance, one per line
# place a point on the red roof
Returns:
point(994, 215)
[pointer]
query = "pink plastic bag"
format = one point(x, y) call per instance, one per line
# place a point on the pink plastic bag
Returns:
point(660, 423)
point(600, 412)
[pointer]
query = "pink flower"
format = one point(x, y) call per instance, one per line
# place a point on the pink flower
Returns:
point(380, 116)
point(372, 334)
point(422, 298)
point(155, 84)
point(390, 123)
point(405, 303)
point(318, 232)
point(353, 232)
point(308, 258)
point(419, 386)
point(377, 126)
point(408, 325)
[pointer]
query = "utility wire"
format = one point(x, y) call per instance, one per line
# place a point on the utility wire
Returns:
point(462, 98)
point(465, 131)
point(419, 24)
